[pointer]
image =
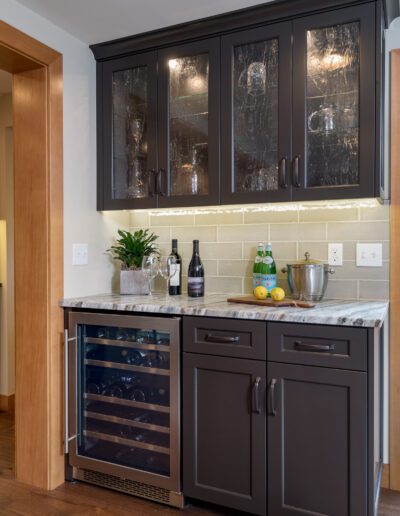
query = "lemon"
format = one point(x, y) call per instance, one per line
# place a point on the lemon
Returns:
point(277, 294)
point(260, 292)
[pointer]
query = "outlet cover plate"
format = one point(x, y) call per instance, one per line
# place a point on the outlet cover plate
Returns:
point(335, 254)
point(80, 254)
point(369, 255)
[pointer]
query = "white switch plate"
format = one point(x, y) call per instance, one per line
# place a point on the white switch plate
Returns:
point(369, 255)
point(335, 254)
point(80, 254)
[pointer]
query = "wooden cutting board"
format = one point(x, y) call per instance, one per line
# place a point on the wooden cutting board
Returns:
point(250, 300)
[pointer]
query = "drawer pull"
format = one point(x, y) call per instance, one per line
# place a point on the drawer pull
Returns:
point(271, 391)
point(256, 395)
point(221, 340)
point(316, 348)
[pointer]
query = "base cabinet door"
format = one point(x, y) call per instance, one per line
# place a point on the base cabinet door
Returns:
point(317, 441)
point(224, 431)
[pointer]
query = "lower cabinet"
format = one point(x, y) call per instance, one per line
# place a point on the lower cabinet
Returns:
point(224, 431)
point(317, 441)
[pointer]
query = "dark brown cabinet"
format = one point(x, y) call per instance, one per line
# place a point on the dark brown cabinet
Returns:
point(224, 431)
point(274, 103)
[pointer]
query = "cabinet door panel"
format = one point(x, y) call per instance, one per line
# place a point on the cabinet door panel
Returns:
point(129, 131)
point(189, 124)
point(224, 441)
point(317, 441)
point(334, 104)
point(256, 118)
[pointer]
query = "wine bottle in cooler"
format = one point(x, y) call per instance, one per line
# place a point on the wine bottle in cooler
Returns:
point(268, 278)
point(175, 282)
point(196, 273)
point(257, 267)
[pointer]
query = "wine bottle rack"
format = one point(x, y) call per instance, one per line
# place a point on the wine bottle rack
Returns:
point(127, 367)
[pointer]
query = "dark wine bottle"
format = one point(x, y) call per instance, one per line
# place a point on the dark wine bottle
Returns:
point(195, 273)
point(175, 264)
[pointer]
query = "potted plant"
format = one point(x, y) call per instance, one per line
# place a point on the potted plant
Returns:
point(130, 249)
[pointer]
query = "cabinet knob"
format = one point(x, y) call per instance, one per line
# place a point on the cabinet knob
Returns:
point(256, 395)
point(271, 391)
point(295, 171)
point(282, 173)
point(150, 182)
point(160, 188)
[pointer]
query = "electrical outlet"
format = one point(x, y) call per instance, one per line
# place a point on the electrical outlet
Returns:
point(369, 255)
point(80, 254)
point(335, 254)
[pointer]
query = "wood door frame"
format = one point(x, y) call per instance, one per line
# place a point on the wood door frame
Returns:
point(38, 217)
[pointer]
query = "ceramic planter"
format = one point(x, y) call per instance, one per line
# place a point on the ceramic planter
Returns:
point(133, 282)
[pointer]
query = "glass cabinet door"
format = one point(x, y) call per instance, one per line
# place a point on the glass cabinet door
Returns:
point(256, 115)
point(129, 132)
point(189, 124)
point(334, 104)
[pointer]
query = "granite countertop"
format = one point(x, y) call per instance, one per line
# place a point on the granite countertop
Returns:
point(368, 314)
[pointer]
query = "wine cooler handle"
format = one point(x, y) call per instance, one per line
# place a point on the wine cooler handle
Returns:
point(150, 182)
point(282, 173)
point(295, 171)
point(67, 437)
point(159, 189)
point(221, 340)
point(271, 392)
point(256, 395)
point(316, 348)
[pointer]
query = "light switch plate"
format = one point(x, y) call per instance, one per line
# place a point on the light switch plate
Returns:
point(80, 254)
point(335, 254)
point(369, 255)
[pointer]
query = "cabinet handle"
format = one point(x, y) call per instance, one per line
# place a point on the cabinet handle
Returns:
point(282, 173)
point(159, 189)
point(271, 391)
point(316, 348)
point(67, 437)
point(150, 182)
point(221, 340)
point(256, 395)
point(295, 171)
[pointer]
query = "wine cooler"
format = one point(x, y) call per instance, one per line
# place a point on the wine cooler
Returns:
point(123, 403)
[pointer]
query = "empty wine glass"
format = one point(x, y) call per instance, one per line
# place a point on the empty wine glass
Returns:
point(167, 267)
point(150, 267)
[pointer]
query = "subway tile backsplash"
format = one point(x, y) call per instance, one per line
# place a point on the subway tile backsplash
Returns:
point(229, 237)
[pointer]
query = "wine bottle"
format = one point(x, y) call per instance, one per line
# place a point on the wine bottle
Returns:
point(258, 265)
point(196, 273)
point(268, 279)
point(175, 282)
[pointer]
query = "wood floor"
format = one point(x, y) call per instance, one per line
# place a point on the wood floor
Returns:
point(78, 499)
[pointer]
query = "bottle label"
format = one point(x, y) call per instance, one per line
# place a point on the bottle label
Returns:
point(175, 269)
point(258, 259)
point(268, 260)
point(196, 285)
point(256, 280)
point(268, 281)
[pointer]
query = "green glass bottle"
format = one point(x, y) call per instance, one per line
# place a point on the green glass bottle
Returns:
point(268, 272)
point(257, 267)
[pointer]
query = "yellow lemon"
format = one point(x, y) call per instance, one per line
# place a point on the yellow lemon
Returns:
point(260, 292)
point(277, 294)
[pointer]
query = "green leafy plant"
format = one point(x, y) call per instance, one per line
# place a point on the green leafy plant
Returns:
point(131, 248)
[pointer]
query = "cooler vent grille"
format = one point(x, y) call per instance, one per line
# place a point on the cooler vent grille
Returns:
point(157, 494)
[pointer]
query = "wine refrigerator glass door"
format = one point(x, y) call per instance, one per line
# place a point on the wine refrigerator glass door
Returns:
point(124, 397)
point(256, 115)
point(188, 100)
point(129, 132)
point(334, 104)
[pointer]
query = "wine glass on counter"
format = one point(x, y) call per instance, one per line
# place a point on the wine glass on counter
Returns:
point(168, 267)
point(150, 267)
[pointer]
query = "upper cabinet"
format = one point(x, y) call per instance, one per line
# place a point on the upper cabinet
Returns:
point(284, 111)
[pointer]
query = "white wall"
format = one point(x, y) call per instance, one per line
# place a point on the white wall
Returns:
point(82, 223)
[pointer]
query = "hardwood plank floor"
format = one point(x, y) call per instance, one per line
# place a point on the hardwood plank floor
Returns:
point(79, 499)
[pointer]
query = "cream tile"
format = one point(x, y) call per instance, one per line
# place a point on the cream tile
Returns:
point(317, 250)
point(374, 290)
point(205, 219)
point(245, 233)
point(341, 289)
point(298, 232)
point(172, 220)
point(221, 251)
point(139, 219)
point(328, 214)
point(210, 267)
point(369, 231)
point(265, 217)
point(229, 285)
point(349, 270)
point(164, 234)
point(188, 234)
point(380, 212)
point(238, 268)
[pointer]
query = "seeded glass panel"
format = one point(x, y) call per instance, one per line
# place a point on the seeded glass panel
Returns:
point(130, 114)
point(188, 125)
point(255, 112)
point(333, 83)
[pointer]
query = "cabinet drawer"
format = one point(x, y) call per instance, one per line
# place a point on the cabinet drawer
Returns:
point(327, 346)
point(225, 337)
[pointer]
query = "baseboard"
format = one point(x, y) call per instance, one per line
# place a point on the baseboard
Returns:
point(7, 403)
point(385, 483)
